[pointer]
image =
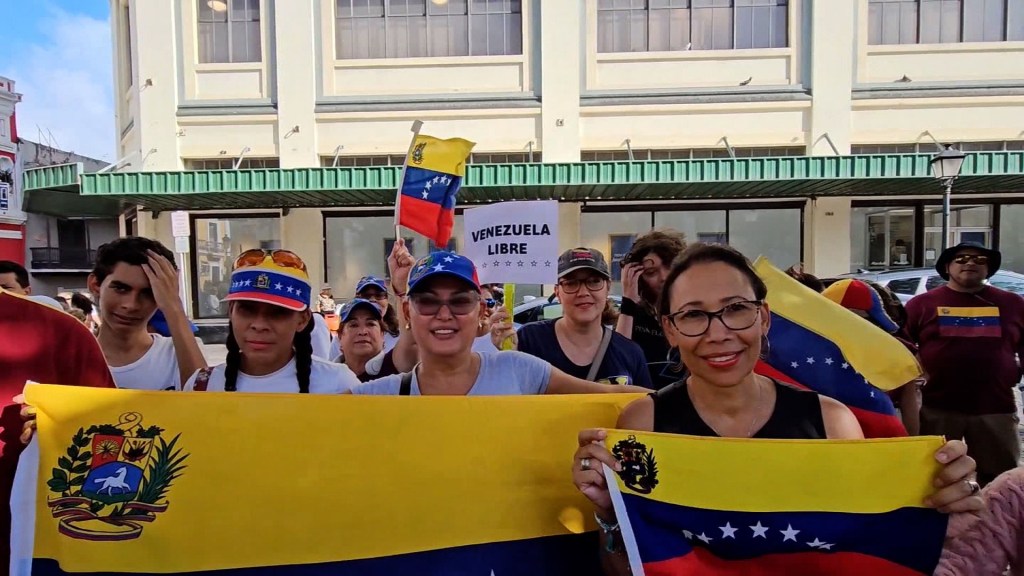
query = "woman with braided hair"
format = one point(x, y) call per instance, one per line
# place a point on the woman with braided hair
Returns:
point(269, 329)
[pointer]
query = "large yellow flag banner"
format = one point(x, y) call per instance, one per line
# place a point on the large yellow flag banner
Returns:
point(154, 482)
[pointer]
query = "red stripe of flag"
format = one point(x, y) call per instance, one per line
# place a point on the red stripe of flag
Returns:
point(701, 561)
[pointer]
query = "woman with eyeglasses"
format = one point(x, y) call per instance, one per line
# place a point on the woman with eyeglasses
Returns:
point(578, 343)
point(445, 312)
point(269, 328)
point(644, 270)
point(713, 312)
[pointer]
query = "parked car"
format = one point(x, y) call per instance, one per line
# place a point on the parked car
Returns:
point(549, 308)
point(906, 284)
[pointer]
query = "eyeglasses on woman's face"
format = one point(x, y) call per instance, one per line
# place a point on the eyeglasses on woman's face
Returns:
point(573, 285)
point(460, 304)
point(738, 315)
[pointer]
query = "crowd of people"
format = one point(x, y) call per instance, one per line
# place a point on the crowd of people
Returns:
point(692, 325)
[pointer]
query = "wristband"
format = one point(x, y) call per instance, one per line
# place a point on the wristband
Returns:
point(628, 307)
point(398, 293)
point(609, 534)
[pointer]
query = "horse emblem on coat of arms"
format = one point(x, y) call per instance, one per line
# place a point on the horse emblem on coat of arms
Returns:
point(113, 478)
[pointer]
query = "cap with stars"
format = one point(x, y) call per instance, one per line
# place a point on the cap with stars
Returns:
point(271, 283)
point(443, 264)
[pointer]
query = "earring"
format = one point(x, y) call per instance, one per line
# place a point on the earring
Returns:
point(408, 326)
point(480, 324)
point(766, 347)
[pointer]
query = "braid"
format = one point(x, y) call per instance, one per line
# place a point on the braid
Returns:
point(232, 363)
point(304, 356)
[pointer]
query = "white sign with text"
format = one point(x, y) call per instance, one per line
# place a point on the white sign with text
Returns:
point(513, 242)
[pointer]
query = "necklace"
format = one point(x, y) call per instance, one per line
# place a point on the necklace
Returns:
point(753, 420)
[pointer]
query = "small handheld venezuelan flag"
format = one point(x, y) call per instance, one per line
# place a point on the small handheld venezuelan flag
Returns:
point(433, 173)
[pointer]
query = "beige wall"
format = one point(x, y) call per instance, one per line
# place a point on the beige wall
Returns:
point(701, 102)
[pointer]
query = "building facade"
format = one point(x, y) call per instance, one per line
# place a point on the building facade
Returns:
point(12, 218)
point(60, 249)
point(277, 84)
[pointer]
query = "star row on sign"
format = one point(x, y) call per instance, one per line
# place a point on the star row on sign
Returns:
point(278, 286)
point(519, 263)
point(828, 361)
point(759, 531)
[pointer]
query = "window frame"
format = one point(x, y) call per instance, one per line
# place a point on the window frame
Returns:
point(427, 31)
point(1010, 13)
point(228, 22)
point(693, 23)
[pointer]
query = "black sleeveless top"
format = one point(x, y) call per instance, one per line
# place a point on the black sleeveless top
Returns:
point(797, 414)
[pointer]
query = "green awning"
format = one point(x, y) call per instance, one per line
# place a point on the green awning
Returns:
point(738, 178)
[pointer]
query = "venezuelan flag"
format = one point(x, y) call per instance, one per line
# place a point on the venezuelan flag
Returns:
point(969, 322)
point(270, 484)
point(433, 174)
point(719, 506)
point(817, 344)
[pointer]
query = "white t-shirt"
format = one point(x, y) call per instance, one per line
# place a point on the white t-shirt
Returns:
point(321, 338)
point(156, 370)
point(324, 378)
point(509, 373)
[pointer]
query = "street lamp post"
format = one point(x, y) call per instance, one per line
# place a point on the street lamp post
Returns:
point(945, 168)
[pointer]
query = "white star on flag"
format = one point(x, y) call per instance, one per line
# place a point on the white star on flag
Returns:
point(298, 293)
point(278, 286)
point(449, 259)
point(248, 282)
point(291, 290)
point(425, 195)
point(789, 533)
point(760, 531)
point(728, 531)
point(688, 534)
point(437, 179)
point(704, 538)
point(429, 184)
point(815, 544)
point(872, 393)
point(828, 361)
point(826, 546)
point(810, 360)
point(439, 268)
point(845, 365)
point(794, 364)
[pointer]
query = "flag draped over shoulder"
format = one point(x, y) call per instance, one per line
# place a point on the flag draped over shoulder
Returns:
point(819, 345)
point(433, 174)
point(134, 482)
point(719, 506)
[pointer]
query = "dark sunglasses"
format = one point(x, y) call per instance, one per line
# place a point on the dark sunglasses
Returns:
point(979, 259)
point(491, 302)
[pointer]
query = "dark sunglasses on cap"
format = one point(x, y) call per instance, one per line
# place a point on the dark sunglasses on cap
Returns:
point(256, 256)
point(979, 259)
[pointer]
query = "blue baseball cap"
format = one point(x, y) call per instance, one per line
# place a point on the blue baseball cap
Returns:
point(159, 323)
point(444, 264)
point(357, 303)
point(367, 281)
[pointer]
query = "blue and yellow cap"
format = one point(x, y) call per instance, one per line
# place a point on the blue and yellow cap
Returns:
point(367, 281)
point(275, 277)
point(444, 264)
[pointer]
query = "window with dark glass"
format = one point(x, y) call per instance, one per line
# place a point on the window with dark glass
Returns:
point(680, 25)
point(906, 286)
point(944, 21)
point(427, 28)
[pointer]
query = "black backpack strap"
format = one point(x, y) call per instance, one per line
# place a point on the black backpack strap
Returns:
point(406, 388)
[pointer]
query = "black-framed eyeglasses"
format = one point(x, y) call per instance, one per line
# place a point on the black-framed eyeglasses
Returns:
point(572, 286)
point(427, 304)
point(979, 259)
point(736, 316)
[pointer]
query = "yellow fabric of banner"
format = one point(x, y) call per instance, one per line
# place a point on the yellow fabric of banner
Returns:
point(244, 480)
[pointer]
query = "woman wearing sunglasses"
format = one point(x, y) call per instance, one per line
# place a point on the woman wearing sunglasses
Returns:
point(713, 312)
point(446, 312)
point(270, 324)
point(578, 343)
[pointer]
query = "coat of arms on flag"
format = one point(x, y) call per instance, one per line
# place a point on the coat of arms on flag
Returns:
point(112, 478)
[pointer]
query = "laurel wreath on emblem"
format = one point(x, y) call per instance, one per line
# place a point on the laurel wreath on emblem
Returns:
point(639, 468)
point(114, 478)
point(417, 153)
